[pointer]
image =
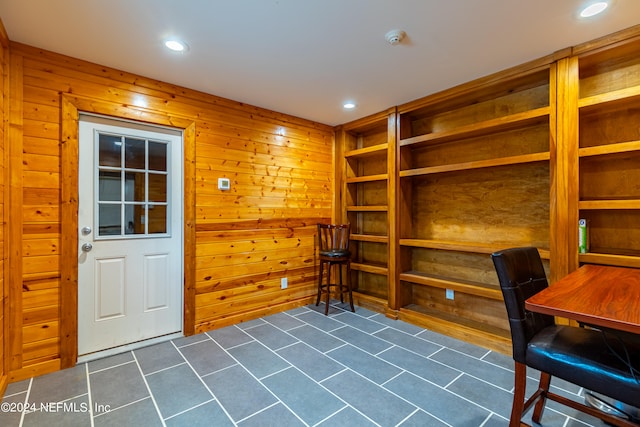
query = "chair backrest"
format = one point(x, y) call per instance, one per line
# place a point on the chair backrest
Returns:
point(333, 238)
point(521, 275)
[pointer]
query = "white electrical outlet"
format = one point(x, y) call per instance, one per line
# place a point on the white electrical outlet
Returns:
point(449, 294)
point(284, 283)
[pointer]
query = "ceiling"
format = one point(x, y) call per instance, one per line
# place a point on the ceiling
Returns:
point(307, 57)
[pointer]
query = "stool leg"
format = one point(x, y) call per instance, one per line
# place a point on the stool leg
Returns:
point(326, 306)
point(340, 286)
point(545, 382)
point(349, 285)
point(320, 283)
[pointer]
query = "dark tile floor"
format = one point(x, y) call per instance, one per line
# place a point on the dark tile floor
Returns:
point(298, 368)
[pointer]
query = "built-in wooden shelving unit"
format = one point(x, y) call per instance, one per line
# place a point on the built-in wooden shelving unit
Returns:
point(473, 178)
point(608, 142)
point(512, 159)
point(366, 164)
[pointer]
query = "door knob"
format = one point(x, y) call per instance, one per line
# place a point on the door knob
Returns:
point(87, 247)
point(85, 231)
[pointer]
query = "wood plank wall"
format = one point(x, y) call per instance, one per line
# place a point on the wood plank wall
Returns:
point(4, 48)
point(246, 239)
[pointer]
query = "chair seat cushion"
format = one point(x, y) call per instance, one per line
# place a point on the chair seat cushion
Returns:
point(595, 360)
point(338, 253)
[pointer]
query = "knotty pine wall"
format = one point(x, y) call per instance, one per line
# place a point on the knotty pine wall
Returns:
point(4, 44)
point(238, 244)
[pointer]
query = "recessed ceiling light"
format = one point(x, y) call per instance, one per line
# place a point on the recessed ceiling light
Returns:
point(349, 105)
point(594, 9)
point(176, 45)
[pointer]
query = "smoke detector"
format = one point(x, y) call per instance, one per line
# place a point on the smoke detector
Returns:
point(395, 36)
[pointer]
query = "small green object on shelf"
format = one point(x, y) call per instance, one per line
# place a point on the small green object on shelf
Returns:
point(583, 236)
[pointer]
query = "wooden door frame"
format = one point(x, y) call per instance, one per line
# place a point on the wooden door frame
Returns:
point(71, 106)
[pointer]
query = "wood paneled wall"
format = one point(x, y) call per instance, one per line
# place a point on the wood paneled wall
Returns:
point(238, 243)
point(4, 48)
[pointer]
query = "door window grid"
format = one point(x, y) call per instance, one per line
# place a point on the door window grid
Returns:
point(132, 187)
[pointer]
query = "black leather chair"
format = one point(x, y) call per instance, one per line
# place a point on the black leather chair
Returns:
point(590, 358)
point(333, 245)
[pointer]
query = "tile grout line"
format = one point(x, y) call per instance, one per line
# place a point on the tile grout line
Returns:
point(442, 347)
point(124, 406)
point(343, 317)
point(26, 399)
point(219, 370)
point(109, 367)
point(233, 346)
point(144, 378)
point(402, 370)
point(273, 405)
point(343, 409)
point(89, 396)
point(259, 381)
point(213, 399)
point(165, 368)
point(346, 368)
point(204, 384)
point(409, 416)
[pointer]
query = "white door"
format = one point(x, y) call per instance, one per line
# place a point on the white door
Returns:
point(130, 277)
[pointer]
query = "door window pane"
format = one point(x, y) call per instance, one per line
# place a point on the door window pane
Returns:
point(139, 205)
point(157, 219)
point(109, 220)
point(157, 187)
point(109, 150)
point(109, 186)
point(134, 153)
point(157, 156)
point(134, 219)
point(134, 186)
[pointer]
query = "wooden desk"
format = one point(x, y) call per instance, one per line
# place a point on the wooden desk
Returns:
point(608, 297)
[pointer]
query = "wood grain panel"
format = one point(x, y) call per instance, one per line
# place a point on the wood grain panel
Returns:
point(534, 139)
point(41, 146)
point(463, 206)
point(253, 246)
point(375, 285)
point(236, 306)
point(276, 264)
point(609, 127)
point(614, 177)
point(621, 71)
point(212, 284)
point(4, 190)
point(475, 309)
point(14, 139)
point(238, 244)
point(479, 110)
point(243, 259)
point(42, 314)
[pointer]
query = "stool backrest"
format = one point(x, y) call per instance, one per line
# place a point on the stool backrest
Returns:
point(333, 237)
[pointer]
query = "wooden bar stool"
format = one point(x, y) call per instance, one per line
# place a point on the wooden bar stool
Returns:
point(333, 244)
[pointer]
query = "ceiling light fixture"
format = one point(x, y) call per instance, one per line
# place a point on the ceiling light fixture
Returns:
point(176, 45)
point(349, 105)
point(594, 9)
